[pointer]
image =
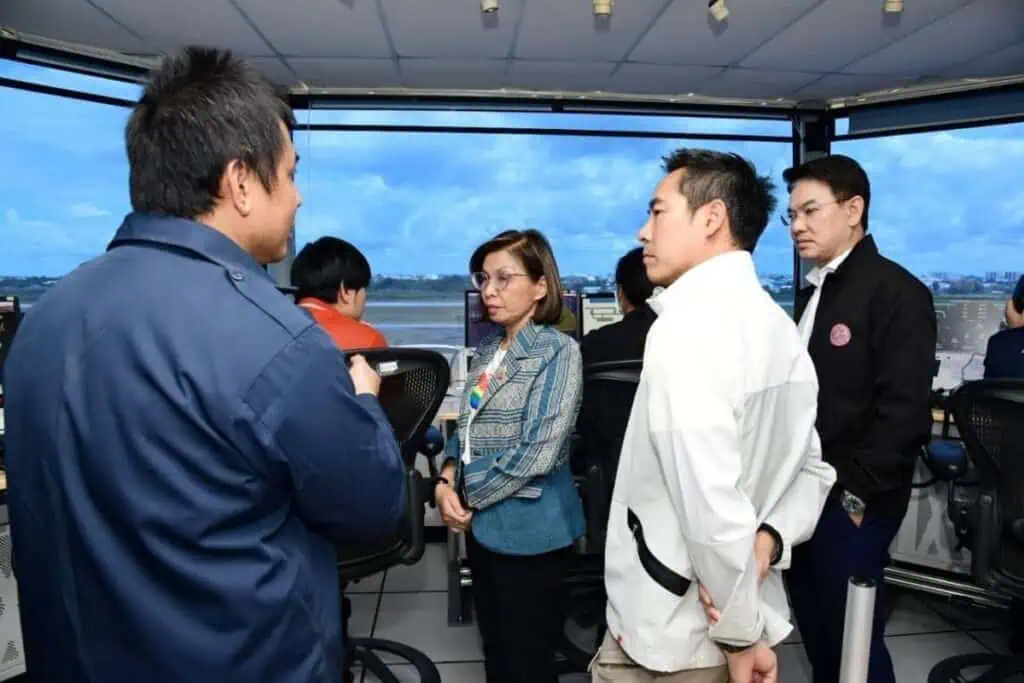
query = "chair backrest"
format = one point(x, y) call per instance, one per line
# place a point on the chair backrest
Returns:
point(608, 391)
point(989, 415)
point(413, 385)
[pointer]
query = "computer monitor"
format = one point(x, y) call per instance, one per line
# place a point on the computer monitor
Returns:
point(964, 327)
point(10, 316)
point(477, 329)
point(598, 309)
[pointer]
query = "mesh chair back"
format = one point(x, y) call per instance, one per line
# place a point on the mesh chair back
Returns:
point(609, 381)
point(612, 383)
point(989, 415)
point(413, 385)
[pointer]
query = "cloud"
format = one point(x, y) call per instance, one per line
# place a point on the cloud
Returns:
point(86, 210)
point(419, 203)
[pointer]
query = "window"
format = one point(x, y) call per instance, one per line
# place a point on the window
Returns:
point(948, 206)
point(63, 185)
point(417, 204)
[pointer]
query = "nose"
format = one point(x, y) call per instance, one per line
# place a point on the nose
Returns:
point(489, 288)
point(645, 232)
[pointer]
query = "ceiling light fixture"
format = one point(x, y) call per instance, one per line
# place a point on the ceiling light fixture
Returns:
point(718, 10)
point(488, 6)
point(893, 6)
point(603, 8)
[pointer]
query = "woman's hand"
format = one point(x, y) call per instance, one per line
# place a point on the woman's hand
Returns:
point(454, 516)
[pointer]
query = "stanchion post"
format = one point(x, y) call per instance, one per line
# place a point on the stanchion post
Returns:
point(860, 617)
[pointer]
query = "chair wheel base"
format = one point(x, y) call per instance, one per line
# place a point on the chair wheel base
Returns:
point(1002, 668)
point(364, 651)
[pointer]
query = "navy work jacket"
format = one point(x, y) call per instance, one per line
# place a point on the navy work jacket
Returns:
point(184, 448)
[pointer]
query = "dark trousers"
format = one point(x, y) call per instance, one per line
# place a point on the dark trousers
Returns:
point(517, 610)
point(817, 583)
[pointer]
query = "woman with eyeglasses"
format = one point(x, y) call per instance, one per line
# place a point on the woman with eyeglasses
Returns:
point(506, 479)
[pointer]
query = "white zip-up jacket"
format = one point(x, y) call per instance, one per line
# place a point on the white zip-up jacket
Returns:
point(721, 439)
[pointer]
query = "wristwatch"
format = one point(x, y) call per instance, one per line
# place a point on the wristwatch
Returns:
point(852, 504)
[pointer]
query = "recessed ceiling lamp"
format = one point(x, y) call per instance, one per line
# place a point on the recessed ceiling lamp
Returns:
point(718, 10)
point(603, 8)
point(488, 6)
point(893, 6)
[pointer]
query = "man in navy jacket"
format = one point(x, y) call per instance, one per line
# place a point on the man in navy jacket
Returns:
point(184, 445)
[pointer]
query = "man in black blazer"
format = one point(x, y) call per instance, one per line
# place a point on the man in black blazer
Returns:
point(1004, 358)
point(605, 410)
point(870, 328)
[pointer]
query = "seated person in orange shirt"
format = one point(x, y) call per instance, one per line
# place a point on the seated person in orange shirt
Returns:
point(330, 277)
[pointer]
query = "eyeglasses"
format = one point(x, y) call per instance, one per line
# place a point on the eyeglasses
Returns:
point(807, 212)
point(501, 280)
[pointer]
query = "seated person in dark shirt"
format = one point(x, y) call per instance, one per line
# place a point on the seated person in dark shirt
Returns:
point(625, 339)
point(1004, 358)
point(605, 408)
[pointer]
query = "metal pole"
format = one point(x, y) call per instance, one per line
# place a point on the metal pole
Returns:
point(860, 618)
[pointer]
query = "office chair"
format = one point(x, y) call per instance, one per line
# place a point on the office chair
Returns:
point(596, 458)
point(989, 415)
point(413, 385)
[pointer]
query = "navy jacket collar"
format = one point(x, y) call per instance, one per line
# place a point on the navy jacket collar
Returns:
point(189, 235)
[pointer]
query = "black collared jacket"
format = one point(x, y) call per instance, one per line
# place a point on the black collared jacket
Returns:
point(873, 346)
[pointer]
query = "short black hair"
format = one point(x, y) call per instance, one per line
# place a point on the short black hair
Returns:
point(843, 175)
point(323, 267)
point(202, 109)
point(710, 175)
point(631, 276)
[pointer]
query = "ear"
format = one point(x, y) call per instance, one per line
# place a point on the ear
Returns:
point(716, 218)
point(236, 186)
point(855, 211)
point(346, 296)
point(540, 288)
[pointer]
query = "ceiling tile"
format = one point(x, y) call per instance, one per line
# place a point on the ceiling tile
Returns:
point(559, 76)
point(757, 84)
point(275, 70)
point(650, 79)
point(324, 72)
point(1008, 61)
point(320, 28)
point(453, 73)
point(839, 32)
point(72, 21)
point(568, 30)
point(847, 86)
point(686, 34)
point(168, 25)
point(453, 29)
point(971, 32)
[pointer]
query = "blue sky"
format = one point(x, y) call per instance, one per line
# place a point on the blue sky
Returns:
point(418, 203)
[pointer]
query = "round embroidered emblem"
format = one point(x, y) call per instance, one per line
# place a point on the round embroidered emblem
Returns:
point(840, 335)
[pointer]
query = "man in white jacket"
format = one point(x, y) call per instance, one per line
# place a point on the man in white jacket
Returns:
point(721, 470)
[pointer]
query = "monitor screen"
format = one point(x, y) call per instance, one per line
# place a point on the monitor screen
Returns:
point(10, 315)
point(599, 309)
point(964, 327)
point(477, 329)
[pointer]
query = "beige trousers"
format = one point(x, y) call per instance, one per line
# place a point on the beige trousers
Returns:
point(612, 665)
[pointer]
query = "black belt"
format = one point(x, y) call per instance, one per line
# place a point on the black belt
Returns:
point(662, 575)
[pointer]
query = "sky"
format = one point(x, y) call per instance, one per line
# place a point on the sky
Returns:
point(419, 203)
